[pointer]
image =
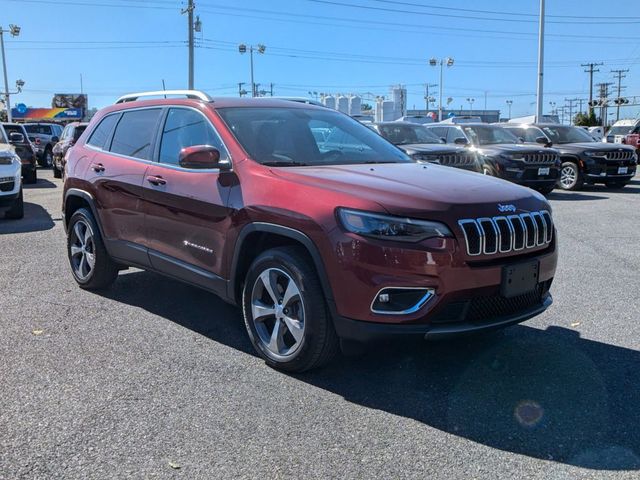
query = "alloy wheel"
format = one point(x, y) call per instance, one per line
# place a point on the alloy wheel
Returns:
point(83, 257)
point(277, 312)
point(568, 176)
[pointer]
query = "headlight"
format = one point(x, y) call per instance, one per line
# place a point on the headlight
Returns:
point(9, 158)
point(391, 228)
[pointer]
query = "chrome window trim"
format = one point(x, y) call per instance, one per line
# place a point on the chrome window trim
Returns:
point(430, 293)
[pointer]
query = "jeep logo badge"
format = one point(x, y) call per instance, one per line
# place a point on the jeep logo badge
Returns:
point(506, 208)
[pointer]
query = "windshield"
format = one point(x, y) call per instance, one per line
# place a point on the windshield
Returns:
point(402, 134)
point(621, 130)
point(562, 134)
point(488, 135)
point(284, 137)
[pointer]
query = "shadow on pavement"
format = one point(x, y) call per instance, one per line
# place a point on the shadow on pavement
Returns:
point(573, 196)
point(42, 183)
point(36, 219)
point(547, 394)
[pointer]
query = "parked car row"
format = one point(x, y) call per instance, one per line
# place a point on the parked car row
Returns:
point(323, 232)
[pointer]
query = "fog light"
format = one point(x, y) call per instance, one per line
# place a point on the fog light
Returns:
point(401, 300)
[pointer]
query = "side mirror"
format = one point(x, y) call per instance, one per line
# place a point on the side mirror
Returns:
point(16, 137)
point(444, 140)
point(460, 141)
point(201, 157)
point(542, 140)
point(55, 139)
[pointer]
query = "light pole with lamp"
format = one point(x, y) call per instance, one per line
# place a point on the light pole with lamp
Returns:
point(260, 48)
point(449, 63)
point(509, 103)
point(14, 30)
point(470, 101)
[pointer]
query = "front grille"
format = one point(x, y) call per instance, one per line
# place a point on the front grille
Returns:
point(616, 155)
point(457, 159)
point(504, 234)
point(540, 157)
point(7, 186)
point(486, 309)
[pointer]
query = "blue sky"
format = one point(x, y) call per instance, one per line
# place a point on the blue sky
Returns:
point(322, 45)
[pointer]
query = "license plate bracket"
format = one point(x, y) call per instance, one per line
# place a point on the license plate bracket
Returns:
point(544, 171)
point(519, 278)
point(622, 170)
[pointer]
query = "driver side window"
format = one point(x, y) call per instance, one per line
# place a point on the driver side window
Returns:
point(185, 128)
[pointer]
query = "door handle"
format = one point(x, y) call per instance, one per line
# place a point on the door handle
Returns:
point(97, 167)
point(156, 180)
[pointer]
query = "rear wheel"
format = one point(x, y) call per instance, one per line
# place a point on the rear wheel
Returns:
point(285, 312)
point(16, 211)
point(91, 265)
point(47, 158)
point(570, 177)
point(31, 176)
point(57, 173)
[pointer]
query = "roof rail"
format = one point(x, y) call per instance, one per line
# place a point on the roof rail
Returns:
point(194, 94)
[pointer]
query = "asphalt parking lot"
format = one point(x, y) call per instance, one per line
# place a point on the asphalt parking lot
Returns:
point(155, 379)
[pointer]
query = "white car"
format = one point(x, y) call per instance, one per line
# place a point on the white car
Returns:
point(11, 205)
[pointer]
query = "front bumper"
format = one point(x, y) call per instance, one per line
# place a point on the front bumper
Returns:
point(600, 170)
point(369, 331)
point(529, 175)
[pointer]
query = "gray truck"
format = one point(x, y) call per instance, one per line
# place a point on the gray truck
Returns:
point(44, 136)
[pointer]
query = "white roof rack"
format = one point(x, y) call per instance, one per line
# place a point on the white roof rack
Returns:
point(195, 94)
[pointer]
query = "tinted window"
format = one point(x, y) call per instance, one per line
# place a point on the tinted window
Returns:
point(489, 135)
point(78, 131)
point(283, 136)
point(563, 134)
point(440, 132)
point(186, 128)
point(101, 134)
point(134, 133)
point(453, 133)
point(39, 129)
point(403, 134)
point(13, 129)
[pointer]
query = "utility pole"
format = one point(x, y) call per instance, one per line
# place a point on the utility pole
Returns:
point(620, 74)
point(591, 70)
point(241, 92)
point(271, 89)
point(540, 93)
point(427, 86)
point(485, 100)
point(189, 11)
point(604, 98)
point(571, 102)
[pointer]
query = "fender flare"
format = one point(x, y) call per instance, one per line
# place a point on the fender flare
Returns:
point(288, 232)
point(86, 196)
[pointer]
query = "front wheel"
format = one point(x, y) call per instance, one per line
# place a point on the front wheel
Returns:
point(570, 177)
point(31, 176)
point(16, 212)
point(91, 265)
point(285, 312)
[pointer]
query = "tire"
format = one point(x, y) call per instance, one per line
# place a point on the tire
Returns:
point(547, 190)
point(91, 265)
point(16, 212)
point(616, 185)
point(570, 177)
point(47, 158)
point(305, 338)
point(31, 176)
point(57, 173)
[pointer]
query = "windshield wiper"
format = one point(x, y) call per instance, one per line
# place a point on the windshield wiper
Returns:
point(285, 164)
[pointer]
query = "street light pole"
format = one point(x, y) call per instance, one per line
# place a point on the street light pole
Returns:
point(441, 89)
point(540, 64)
point(509, 103)
point(253, 85)
point(14, 30)
point(433, 62)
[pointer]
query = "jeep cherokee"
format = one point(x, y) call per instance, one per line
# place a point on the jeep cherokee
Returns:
point(322, 245)
point(584, 160)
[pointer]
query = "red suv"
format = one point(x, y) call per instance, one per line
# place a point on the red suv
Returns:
point(323, 246)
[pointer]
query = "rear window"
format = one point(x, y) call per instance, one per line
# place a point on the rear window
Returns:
point(134, 133)
point(13, 129)
point(38, 129)
point(78, 131)
point(102, 132)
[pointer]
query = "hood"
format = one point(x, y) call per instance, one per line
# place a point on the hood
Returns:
point(600, 146)
point(419, 190)
point(6, 147)
point(514, 148)
point(432, 148)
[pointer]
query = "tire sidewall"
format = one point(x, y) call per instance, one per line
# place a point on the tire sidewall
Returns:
point(577, 181)
point(314, 312)
point(85, 215)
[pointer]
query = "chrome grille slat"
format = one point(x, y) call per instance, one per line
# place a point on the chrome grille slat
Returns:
point(503, 234)
point(540, 157)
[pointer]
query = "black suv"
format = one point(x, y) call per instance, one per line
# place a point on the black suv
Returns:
point(502, 155)
point(17, 137)
point(423, 146)
point(584, 160)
